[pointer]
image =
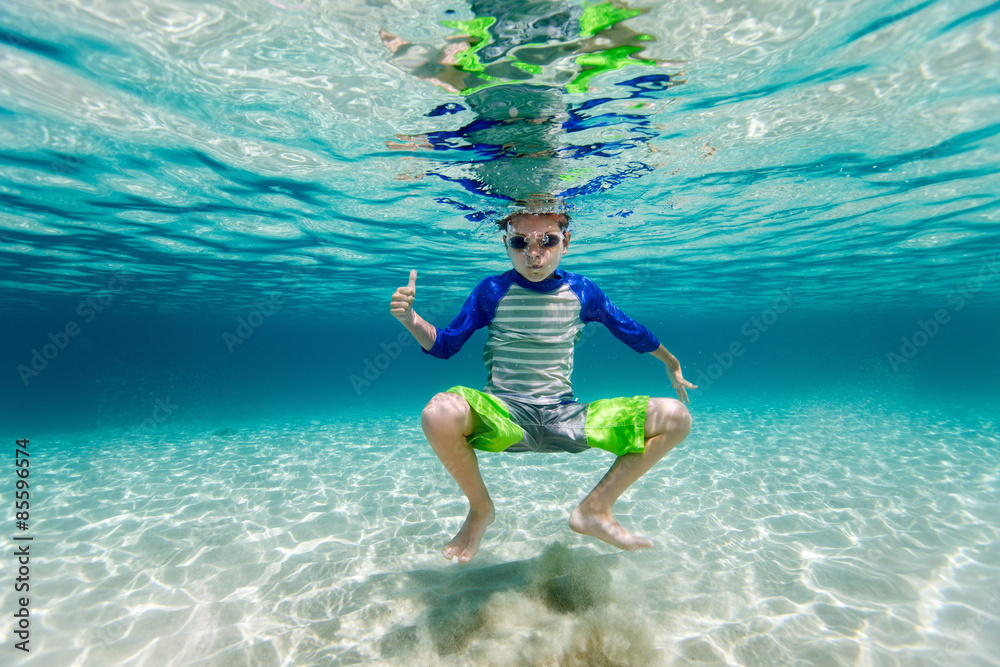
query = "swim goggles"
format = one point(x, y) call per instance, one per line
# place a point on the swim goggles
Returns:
point(519, 242)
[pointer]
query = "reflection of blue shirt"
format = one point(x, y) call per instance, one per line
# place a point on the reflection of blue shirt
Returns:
point(533, 328)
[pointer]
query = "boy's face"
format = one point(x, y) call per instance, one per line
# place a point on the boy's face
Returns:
point(536, 262)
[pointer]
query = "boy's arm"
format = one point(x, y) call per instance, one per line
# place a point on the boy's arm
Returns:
point(422, 330)
point(401, 308)
point(677, 380)
point(597, 307)
point(476, 313)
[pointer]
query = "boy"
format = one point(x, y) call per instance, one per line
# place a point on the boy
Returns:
point(535, 314)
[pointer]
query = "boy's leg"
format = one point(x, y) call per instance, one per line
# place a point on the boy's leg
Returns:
point(447, 422)
point(667, 424)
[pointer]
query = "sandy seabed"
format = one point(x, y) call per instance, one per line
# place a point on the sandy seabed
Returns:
point(811, 534)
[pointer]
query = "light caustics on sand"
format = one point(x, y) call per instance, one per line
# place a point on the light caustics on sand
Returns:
point(319, 544)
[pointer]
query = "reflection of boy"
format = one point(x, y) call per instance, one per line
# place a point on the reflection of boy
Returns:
point(534, 315)
point(512, 41)
point(514, 62)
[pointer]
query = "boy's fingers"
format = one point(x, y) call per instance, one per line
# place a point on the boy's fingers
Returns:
point(413, 280)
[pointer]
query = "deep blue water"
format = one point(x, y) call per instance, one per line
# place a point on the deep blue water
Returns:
point(204, 209)
point(113, 373)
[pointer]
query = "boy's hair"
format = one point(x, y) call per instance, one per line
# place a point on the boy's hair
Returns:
point(562, 219)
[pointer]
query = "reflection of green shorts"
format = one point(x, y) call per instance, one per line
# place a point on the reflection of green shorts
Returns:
point(512, 425)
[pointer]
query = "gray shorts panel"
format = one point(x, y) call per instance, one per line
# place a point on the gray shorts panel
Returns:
point(552, 427)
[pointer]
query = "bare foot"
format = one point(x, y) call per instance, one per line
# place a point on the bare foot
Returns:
point(466, 543)
point(391, 42)
point(604, 527)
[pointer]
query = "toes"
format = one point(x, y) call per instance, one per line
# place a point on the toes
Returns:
point(464, 553)
point(636, 541)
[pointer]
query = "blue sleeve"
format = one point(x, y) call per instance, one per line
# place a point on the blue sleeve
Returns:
point(476, 313)
point(595, 306)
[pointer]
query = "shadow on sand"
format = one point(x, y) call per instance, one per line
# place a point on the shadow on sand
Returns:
point(559, 608)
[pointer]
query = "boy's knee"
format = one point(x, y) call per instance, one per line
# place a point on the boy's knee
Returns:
point(668, 414)
point(444, 411)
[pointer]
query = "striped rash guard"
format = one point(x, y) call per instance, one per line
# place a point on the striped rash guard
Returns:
point(533, 328)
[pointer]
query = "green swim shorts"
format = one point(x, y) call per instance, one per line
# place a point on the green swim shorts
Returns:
point(510, 424)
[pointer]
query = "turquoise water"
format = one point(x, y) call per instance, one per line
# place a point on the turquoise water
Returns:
point(205, 208)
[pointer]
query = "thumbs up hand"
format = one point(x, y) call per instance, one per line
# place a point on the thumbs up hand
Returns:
point(401, 306)
point(402, 309)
